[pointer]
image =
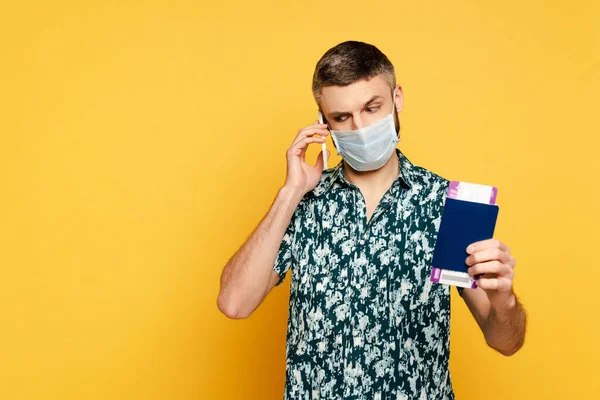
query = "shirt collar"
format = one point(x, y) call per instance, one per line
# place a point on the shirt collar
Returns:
point(407, 173)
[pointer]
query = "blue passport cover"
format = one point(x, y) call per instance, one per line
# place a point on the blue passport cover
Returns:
point(463, 222)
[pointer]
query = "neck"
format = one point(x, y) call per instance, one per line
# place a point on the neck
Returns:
point(374, 181)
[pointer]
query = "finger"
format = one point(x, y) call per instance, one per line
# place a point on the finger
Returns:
point(487, 244)
point(317, 139)
point(310, 131)
point(298, 149)
point(491, 267)
point(489, 254)
point(500, 284)
point(323, 127)
point(320, 163)
point(309, 140)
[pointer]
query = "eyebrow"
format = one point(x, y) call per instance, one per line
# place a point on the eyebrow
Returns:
point(336, 114)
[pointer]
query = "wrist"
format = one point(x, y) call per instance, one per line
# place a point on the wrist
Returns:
point(504, 302)
point(290, 193)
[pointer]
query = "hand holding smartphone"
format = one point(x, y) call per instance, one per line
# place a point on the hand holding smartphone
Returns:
point(324, 145)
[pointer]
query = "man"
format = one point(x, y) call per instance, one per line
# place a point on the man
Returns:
point(365, 321)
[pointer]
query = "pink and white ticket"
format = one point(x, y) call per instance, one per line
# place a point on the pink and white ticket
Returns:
point(468, 192)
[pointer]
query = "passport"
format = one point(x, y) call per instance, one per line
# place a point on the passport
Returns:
point(469, 216)
point(463, 223)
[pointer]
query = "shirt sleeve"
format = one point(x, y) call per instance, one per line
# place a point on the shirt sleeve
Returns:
point(284, 258)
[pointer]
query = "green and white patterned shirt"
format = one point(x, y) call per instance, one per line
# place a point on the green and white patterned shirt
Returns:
point(364, 320)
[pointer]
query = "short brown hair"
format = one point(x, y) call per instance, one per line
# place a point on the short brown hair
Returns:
point(349, 62)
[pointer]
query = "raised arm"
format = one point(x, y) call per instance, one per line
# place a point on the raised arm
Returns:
point(249, 276)
point(493, 303)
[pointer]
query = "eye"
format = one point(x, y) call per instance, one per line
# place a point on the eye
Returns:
point(372, 109)
point(340, 118)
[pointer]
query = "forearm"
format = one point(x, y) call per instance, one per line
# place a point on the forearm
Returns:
point(504, 329)
point(245, 278)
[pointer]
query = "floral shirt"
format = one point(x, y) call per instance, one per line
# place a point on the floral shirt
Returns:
point(365, 322)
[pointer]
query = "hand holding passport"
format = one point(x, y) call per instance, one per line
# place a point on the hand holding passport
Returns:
point(469, 216)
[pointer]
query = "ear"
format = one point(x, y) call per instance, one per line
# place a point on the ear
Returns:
point(399, 98)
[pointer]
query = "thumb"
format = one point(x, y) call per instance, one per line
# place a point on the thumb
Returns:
point(320, 162)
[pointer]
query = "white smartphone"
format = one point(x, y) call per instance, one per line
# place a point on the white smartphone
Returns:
point(323, 145)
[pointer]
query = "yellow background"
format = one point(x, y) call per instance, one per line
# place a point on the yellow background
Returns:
point(143, 141)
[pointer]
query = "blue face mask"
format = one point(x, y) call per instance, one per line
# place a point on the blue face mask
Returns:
point(368, 148)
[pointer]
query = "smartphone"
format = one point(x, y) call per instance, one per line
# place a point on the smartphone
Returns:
point(323, 145)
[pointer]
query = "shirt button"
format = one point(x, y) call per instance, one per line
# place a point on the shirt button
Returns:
point(362, 241)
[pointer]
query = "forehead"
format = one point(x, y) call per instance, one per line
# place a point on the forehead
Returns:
point(353, 96)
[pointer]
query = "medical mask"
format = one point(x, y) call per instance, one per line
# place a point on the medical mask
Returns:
point(368, 148)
